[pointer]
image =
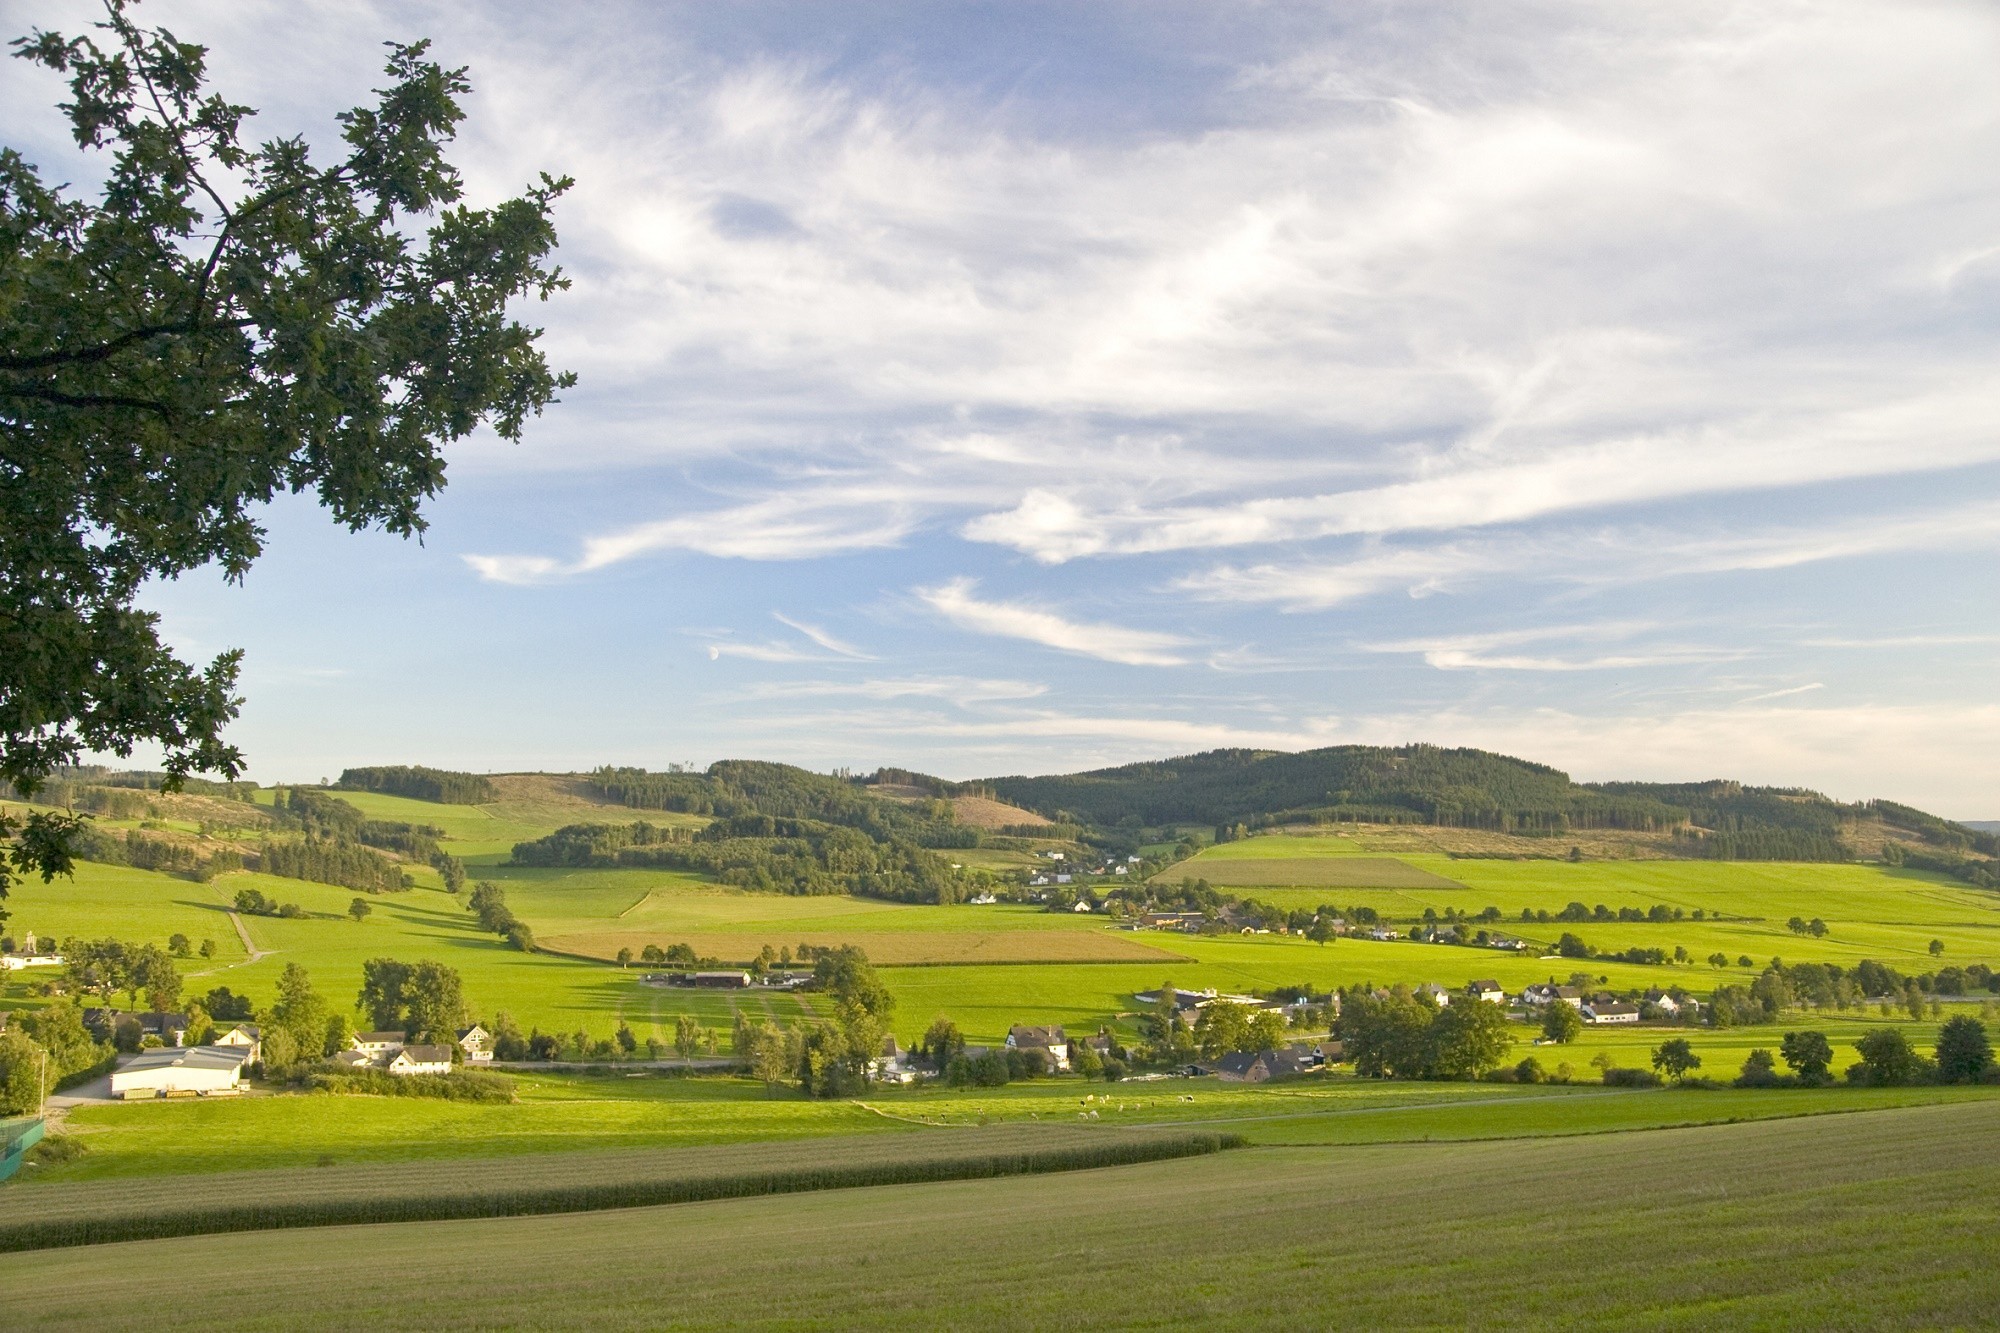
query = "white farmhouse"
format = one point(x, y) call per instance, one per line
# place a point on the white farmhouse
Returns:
point(246, 1037)
point(421, 1060)
point(195, 1070)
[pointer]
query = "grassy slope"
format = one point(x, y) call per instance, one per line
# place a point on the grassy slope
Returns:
point(1888, 1228)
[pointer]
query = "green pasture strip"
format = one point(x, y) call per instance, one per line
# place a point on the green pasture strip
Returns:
point(50, 1217)
point(1342, 872)
point(1591, 1111)
point(555, 1113)
point(1875, 1220)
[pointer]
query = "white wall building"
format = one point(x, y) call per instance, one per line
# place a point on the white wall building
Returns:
point(201, 1070)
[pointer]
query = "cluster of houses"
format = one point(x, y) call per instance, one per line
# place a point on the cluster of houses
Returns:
point(1065, 871)
point(733, 978)
point(394, 1053)
point(215, 1068)
point(1053, 1045)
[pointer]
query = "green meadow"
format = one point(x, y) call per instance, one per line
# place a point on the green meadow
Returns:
point(990, 967)
point(563, 1112)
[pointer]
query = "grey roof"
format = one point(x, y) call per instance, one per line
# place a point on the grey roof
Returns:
point(428, 1054)
point(382, 1038)
point(185, 1057)
point(1052, 1035)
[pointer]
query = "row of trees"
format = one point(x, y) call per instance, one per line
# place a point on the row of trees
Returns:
point(39, 1050)
point(422, 784)
point(489, 903)
point(325, 860)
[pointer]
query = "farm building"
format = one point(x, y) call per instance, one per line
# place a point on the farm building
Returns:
point(720, 980)
point(167, 1029)
point(421, 1060)
point(199, 1070)
point(1262, 1066)
point(1050, 1041)
point(1489, 991)
point(1605, 1009)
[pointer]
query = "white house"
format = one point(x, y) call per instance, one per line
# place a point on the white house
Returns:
point(380, 1045)
point(477, 1043)
point(14, 962)
point(893, 1065)
point(985, 899)
point(1438, 994)
point(421, 1060)
point(1383, 933)
point(1604, 1009)
point(1549, 993)
point(198, 1070)
point(1063, 879)
point(1082, 905)
point(247, 1037)
point(1488, 991)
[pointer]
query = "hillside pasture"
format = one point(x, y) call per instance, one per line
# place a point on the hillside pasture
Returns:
point(904, 948)
point(1337, 871)
point(1877, 1219)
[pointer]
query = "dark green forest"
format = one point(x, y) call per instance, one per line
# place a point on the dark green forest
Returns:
point(421, 784)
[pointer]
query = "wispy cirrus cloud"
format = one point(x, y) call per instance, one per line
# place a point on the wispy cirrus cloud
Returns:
point(1469, 652)
point(956, 602)
point(1609, 555)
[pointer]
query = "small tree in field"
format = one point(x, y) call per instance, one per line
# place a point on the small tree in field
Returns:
point(1561, 1022)
point(1937, 948)
point(359, 910)
point(1963, 1052)
point(1676, 1059)
point(624, 958)
point(687, 1036)
point(1809, 1054)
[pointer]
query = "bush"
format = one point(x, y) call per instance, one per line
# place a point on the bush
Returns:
point(458, 1086)
point(1630, 1078)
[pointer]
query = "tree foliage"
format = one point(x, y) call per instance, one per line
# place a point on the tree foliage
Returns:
point(223, 322)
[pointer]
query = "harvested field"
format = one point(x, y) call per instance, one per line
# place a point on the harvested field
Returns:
point(908, 948)
point(1343, 872)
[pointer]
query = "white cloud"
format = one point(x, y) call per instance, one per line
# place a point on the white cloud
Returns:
point(963, 690)
point(1017, 620)
point(822, 638)
point(1601, 556)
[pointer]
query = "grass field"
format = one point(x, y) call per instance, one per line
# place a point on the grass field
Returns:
point(1876, 1219)
point(990, 967)
point(1333, 872)
point(568, 1112)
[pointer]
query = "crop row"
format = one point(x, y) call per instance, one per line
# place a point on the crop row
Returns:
point(128, 1220)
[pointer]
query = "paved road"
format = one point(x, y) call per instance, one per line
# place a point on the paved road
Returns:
point(243, 933)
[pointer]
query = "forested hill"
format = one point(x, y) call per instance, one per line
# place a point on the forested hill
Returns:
point(1412, 784)
point(1425, 784)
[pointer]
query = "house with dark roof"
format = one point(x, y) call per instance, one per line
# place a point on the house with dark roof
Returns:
point(1051, 1041)
point(379, 1046)
point(1261, 1066)
point(1609, 1009)
point(420, 1060)
point(1489, 991)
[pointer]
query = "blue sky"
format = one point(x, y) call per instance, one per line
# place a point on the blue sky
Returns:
point(1009, 388)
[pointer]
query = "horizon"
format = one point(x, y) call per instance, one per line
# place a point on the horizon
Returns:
point(1035, 390)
